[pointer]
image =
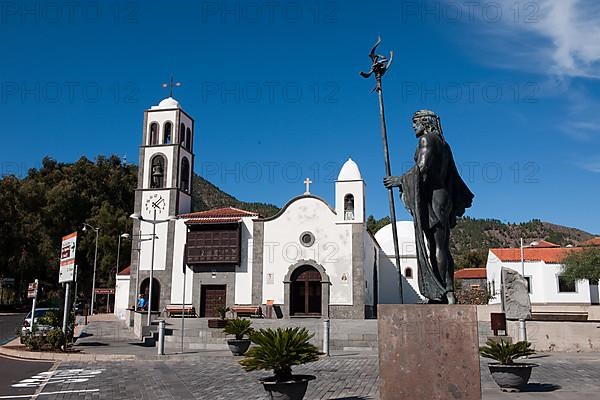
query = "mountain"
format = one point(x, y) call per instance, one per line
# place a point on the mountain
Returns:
point(472, 238)
point(206, 196)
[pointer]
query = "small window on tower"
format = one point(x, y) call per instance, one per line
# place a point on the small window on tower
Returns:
point(168, 132)
point(182, 135)
point(408, 273)
point(188, 139)
point(349, 207)
point(157, 179)
point(185, 175)
point(153, 134)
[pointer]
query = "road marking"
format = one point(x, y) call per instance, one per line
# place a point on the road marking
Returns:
point(33, 396)
point(54, 376)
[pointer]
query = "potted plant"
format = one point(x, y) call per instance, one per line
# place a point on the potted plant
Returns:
point(508, 374)
point(222, 321)
point(279, 350)
point(239, 327)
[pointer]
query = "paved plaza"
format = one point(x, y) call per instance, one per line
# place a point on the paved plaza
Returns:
point(560, 376)
point(216, 375)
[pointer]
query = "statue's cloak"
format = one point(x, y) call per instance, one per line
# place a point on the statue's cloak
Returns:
point(418, 200)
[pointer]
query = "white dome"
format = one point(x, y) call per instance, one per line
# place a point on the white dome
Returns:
point(169, 102)
point(406, 238)
point(349, 172)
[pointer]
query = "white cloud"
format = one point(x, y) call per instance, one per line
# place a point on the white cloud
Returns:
point(556, 37)
point(590, 165)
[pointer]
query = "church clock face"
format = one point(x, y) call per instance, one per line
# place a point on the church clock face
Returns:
point(156, 202)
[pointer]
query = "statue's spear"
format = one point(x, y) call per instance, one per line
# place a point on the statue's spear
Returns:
point(379, 67)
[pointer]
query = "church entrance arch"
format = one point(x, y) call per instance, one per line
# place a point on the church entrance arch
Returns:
point(307, 290)
point(305, 293)
point(145, 290)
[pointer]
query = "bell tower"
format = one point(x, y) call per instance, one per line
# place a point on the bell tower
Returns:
point(350, 194)
point(166, 158)
point(164, 191)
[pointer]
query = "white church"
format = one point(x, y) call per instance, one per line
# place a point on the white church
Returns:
point(312, 259)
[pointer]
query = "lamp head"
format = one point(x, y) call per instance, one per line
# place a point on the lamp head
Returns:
point(125, 235)
point(136, 216)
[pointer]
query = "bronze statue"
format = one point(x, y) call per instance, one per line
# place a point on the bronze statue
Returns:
point(435, 195)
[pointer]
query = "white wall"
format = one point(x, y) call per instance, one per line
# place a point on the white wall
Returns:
point(408, 259)
point(371, 252)
point(177, 272)
point(355, 188)
point(544, 281)
point(243, 272)
point(121, 296)
point(332, 249)
point(160, 243)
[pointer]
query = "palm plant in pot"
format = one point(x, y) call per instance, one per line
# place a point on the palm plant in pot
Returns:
point(222, 321)
point(239, 327)
point(508, 374)
point(278, 350)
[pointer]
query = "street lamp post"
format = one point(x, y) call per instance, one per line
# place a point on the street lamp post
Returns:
point(85, 228)
point(154, 222)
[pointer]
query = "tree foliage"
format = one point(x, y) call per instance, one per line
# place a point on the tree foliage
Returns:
point(53, 201)
point(584, 264)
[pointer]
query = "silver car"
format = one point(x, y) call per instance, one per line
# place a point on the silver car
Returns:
point(39, 312)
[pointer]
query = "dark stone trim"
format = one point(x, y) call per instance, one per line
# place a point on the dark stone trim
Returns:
point(225, 275)
point(258, 240)
point(325, 286)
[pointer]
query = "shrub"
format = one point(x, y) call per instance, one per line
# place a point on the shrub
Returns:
point(279, 350)
point(504, 352)
point(222, 311)
point(239, 327)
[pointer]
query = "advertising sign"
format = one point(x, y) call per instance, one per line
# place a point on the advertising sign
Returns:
point(32, 290)
point(104, 291)
point(67, 258)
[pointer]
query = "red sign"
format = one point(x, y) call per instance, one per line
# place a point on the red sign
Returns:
point(32, 290)
point(104, 291)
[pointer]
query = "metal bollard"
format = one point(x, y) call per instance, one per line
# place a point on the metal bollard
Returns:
point(326, 337)
point(522, 330)
point(161, 338)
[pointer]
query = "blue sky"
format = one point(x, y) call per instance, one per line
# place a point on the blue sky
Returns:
point(275, 91)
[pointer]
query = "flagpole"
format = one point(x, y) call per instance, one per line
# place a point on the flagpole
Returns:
point(379, 68)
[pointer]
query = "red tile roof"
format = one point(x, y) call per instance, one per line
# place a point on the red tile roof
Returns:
point(218, 216)
point(592, 242)
point(549, 255)
point(125, 271)
point(471, 273)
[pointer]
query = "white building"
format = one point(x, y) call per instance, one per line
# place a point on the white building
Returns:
point(542, 268)
point(408, 257)
point(311, 259)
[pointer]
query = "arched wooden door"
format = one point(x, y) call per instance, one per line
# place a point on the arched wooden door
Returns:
point(305, 293)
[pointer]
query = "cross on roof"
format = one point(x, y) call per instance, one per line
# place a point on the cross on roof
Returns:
point(307, 182)
point(170, 85)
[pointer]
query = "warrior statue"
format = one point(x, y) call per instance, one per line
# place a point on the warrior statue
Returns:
point(435, 195)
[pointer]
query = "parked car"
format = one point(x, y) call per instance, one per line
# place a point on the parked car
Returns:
point(39, 312)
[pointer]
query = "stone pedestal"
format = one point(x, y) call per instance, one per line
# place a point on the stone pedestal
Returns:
point(428, 352)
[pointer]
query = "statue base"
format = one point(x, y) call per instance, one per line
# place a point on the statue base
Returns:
point(428, 351)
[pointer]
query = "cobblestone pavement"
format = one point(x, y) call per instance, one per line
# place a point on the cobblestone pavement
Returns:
point(560, 376)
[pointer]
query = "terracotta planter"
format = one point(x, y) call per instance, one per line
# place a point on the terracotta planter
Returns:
point(511, 378)
point(238, 347)
point(217, 323)
point(294, 389)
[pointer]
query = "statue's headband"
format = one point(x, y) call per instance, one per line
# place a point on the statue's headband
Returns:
point(424, 113)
